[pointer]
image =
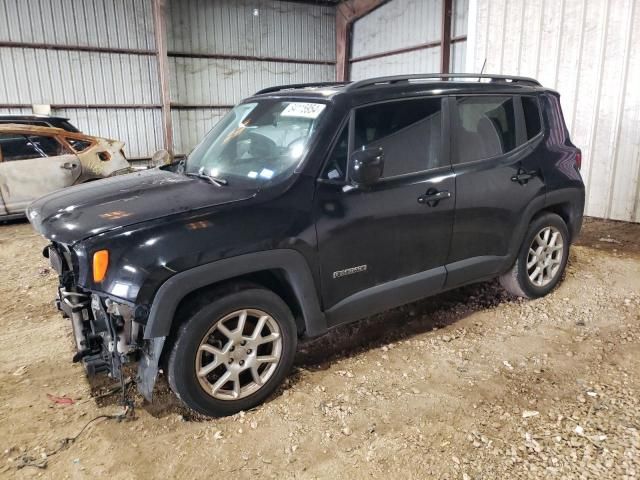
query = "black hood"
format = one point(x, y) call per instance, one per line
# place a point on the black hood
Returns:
point(76, 213)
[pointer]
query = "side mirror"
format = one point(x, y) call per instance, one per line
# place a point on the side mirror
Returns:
point(366, 166)
point(160, 158)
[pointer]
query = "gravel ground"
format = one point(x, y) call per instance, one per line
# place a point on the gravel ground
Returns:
point(469, 384)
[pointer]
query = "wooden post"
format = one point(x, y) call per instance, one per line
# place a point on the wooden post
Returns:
point(348, 12)
point(342, 45)
point(445, 42)
point(160, 28)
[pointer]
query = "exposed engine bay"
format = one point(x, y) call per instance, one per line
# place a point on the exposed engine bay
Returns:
point(105, 332)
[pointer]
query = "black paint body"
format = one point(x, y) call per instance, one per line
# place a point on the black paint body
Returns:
point(160, 226)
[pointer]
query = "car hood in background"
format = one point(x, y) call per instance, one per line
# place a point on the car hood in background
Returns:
point(76, 213)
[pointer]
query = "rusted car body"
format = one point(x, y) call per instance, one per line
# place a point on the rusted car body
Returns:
point(37, 160)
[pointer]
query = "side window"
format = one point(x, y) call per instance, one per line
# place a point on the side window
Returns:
point(409, 132)
point(16, 147)
point(336, 167)
point(531, 116)
point(483, 128)
point(78, 145)
point(46, 146)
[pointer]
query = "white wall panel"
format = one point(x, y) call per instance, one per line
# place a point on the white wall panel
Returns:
point(263, 28)
point(419, 61)
point(94, 23)
point(225, 82)
point(397, 24)
point(460, 18)
point(139, 129)
point(32, 75)
point(585, 49)
point(194, 124)
point(401, 24)
point(253, 28)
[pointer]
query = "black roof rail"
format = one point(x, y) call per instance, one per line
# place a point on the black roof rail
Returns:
point(299, 85)
point(441, 76)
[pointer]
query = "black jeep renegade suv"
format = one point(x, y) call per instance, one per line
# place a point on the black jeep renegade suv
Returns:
point(306, 207)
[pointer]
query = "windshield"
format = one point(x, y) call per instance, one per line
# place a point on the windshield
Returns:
point(259, 142)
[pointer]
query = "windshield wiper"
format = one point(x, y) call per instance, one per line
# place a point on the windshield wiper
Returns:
point(220, 182)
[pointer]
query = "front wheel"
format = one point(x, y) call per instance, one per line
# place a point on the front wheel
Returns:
point(231, 354)
point(541, 260)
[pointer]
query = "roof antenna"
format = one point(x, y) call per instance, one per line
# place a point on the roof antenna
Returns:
point(484, 64)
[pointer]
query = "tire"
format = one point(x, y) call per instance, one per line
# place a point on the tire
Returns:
point(518, 280)
point(201, 344)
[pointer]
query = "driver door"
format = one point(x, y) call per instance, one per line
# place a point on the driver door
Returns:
point(32, 166)
point(382, 245)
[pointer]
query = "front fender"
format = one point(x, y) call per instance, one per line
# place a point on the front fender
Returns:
point(175, 289)
point(290, 262)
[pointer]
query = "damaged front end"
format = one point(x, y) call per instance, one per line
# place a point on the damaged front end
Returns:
point(106, 333)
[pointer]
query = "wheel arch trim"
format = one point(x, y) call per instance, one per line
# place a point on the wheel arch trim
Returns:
point(289, 261)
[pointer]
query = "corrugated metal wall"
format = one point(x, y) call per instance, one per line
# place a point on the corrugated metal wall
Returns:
point(95, 62)
point(84, 82)
point(380, 37)
point(587, 50)
point(223, 51)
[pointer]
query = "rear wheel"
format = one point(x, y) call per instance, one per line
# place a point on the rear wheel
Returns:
point(232, 354)
point(541, 260)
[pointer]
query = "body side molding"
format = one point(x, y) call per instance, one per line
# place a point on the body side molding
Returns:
point(386, 296)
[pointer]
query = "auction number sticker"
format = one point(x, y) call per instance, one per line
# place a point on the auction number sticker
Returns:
point(303, 110)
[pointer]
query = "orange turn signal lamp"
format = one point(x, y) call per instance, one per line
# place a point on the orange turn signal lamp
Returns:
point(100, 265)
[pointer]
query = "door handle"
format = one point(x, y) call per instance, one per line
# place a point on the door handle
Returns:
point(68, 165)
point(433, 196)
point(522, 177)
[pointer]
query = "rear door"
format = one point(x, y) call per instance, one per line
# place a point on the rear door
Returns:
point(32, 166)
point(386, 243)
point(498, 182)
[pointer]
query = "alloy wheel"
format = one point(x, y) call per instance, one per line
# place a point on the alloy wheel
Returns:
point(238, 354)
point(545, 256)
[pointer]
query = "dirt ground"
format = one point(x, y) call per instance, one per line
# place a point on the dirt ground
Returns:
point(469, 384)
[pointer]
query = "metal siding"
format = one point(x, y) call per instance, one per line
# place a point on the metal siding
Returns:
point(95, 23)
point(460, 18)
point(194, 125)
point(138, 129)
point(419, 61)
point(72, 77)
point(281, 29)
point(459, 27)
point(458, 57)
point(583, 49)
point(206, 81)
point(45, 76)
point(397, 24)
point(15, 111)
point(407, 23)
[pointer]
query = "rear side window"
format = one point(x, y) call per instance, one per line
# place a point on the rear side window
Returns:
point(531, 116)
point(408, 131)
point(16, 147)
point(47, 146)
point(483, 128)
point(78, 145)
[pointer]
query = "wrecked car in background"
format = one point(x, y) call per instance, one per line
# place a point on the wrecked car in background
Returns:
point(37, 160)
